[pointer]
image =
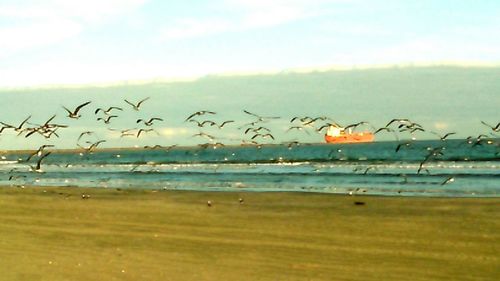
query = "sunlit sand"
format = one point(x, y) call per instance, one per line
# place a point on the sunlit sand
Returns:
point(109, 234)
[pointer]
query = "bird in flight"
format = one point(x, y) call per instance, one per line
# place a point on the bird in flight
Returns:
point(149, 122)
point(92, 146)
point(88, 133)
point(260, 118)
point(107, 111)
point(198, 113)
point(494, 128)
point(18, 128)
point(263, 136)
point(38, 167)
point(145, 131)
point(107, 119)
point(74, 114)
point(38, 152)
point(448, 180)
point(136, 106)
point(443, 138)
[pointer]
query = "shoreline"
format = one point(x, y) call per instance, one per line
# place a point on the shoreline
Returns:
point(53, 233)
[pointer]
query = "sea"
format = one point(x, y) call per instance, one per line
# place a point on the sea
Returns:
point(432, 168)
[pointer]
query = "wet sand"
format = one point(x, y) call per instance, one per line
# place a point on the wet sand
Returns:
point(54, 234)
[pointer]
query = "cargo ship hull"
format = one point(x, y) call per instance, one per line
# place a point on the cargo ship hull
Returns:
point(350, 138)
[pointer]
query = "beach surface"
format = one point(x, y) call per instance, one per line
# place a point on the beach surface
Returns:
point(49, 233)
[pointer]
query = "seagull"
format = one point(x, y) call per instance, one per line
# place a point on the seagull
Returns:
point(125, 132)
point(201, 134)
point(47, 125)
point(358, 124)
point(92, 146)
point(263, 136)
point(256, 130)
point(384, 129)
point(312, 120)
point(153, 147)
point(107, 111)
point(18, 128)
point(260, 118)
point(145, 131)
point(443, 138)
point(411, 130)
point(298, 128)
point(38, 168)
point(107, 119)
point(199, 113)
point(136, 106)
point(365, 170)
point(406, 144)
point(38, 152)
point(224, 123)
point(248, 124)
point(84, 133)
point(149, 122)
point(74, 114)
point(448, 180)
point(478, 141)
point(302, 119)
point(399, 120)
point(327, 125)
point(4, 127)
point(168, 148)
point(494, 128)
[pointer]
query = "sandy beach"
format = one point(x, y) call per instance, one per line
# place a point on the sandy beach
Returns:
point(54, 234)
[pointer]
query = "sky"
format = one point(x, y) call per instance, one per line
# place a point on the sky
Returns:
point(103, 41)
point(60, 43)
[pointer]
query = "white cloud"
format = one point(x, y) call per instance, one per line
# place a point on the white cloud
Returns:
point(18, 38)
point(243, 15)
point(32, 24)
point(188, 27)
point(437, 49)
point(86, 11)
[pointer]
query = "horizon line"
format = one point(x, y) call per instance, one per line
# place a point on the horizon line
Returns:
point(298, 70)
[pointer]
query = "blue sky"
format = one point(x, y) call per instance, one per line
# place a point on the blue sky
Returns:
point(100, 41)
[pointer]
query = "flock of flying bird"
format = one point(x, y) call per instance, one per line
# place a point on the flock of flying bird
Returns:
point(254, 132)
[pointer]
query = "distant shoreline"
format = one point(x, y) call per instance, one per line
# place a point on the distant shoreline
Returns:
point(295, 70)
point(188, 147)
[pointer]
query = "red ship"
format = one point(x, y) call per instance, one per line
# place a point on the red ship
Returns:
point(336, 134)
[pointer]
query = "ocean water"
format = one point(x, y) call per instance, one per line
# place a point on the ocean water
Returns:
point(451, 168)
